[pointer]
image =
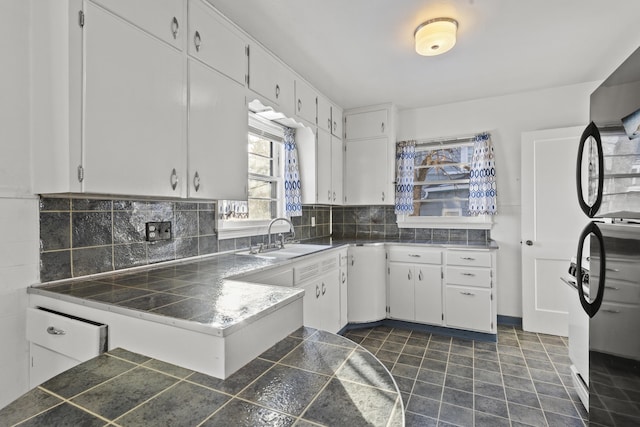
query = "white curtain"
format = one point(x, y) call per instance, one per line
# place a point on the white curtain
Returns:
point(292, 184)
point(482, 182)
point(405, 158)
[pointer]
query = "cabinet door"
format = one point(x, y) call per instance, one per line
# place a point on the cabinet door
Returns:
point(162, 18)
point(337, 158)
point(401, 291)
point(468, 308)
point(370, 124)
point(330, 301)
point(214, 43)
point(367, 296)
point(312, 305)
point(306, 102)
point(428, 294)
point(134, 110)
point(218, 127)
point(270, 79)
point(344, 295)
point(336, 121)
point(323, 168)
point(324, 114)
point(365, 179)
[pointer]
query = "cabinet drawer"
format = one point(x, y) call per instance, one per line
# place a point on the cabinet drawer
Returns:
point(471, 258)
point(468, 276)
point(415, 255)
point(468, 308)
point(621, 291)
point(71, 336)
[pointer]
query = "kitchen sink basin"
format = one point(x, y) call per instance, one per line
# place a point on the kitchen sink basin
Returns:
point(288, 252)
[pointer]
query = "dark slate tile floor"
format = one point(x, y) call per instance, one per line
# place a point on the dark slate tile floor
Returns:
point(522, 380)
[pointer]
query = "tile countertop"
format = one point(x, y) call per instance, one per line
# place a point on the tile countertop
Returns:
point(198, 295)
point(309, 376)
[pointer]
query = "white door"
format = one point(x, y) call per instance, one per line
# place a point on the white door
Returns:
point(551, 224)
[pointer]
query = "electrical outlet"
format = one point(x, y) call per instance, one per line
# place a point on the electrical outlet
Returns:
point(158, 231)
point(313, 221)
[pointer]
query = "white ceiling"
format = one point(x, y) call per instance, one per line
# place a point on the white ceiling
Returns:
point(360, 52)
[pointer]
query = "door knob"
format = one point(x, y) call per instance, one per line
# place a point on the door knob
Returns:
point(529, 243)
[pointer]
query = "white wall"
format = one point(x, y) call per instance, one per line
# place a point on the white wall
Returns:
point(18, 209)
point(505, 117)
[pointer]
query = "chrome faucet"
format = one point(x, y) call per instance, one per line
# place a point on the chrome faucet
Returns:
point(291, 230)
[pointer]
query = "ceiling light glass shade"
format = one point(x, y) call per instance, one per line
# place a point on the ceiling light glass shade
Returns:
point(436, 36)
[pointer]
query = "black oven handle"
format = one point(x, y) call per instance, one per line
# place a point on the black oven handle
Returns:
point(591, 308)
point(590, 131)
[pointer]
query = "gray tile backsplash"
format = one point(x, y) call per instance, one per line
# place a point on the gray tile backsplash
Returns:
point(81, 236)
point(379, 222)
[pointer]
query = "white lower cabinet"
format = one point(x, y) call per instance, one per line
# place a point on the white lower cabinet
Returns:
point(321, 303)
point(58, 342)
point(470, 300)
point(415, 284)
point(367, 291)
point(344, 286)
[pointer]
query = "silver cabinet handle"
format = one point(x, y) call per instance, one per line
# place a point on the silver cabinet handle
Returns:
point(382, 127)
point(468, 258)
point(468, 274)
point(329, 124)
point(344, 277)
point(334, 196)
point(324, 289)
point(197, 41)
point(175, 27)
point(470, 294)
point(55, 331)
point(335, 126)
point(608, 310)
point(613, 288)
point(409, 275)
point(614, 270)
point(352, 260)
point(383, 196)
point(414, 255)
point(420, 275)
point(174, 179)
point(196, 181)
point(277, 91)
point(299, 105)
point(317, 292)
point(329, 195)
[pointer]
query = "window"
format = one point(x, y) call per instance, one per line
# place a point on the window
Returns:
point(441, 182)
point(265, 189)
point(441, 186)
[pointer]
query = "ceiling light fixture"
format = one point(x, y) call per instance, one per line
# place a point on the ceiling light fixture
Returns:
point(435, 36)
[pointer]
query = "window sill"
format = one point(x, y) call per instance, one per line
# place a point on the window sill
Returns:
point(483, 222)
point(255, 228)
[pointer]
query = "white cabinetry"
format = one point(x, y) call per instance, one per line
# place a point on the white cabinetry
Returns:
point(370, 145)
point(470, 301)
point(367, 291)
point(329, 117)
point(269, 78)
point(213, 42)
point(329, 168)
point(306, 102)
point(217, 153)
point(134, 115)
point(320, 278)
point(344, 286)
point(415, 284)
point(58, 343)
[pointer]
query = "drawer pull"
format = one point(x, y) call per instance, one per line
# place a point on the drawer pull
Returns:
point(414, 255)
point(611, 311)
point(55, 331)
point(613, 288)
point(468, 274)
point(317, 291)
point(468, 258)
point(324, 289)
point(420, 275)
point(468, 293)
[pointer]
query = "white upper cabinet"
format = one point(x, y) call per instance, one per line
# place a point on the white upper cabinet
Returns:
point(270, 79)
point(336, 121)
point(323, 168)
point(306, 102)
point(212, 41)
point(367, 124)
point(324, 114)
point(337, 165)
point(164, 19)
point(134, 110)
point(365, 177)
point(217, 147)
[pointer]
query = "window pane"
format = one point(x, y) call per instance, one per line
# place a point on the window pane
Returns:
point(262, 209)
point(259, 145)
point(260, 165)
point(262, 189)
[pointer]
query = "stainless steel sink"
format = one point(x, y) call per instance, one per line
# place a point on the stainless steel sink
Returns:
point(289, 251)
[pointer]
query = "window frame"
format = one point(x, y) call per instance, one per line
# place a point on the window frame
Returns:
point(484, 222)
point(236, 228)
